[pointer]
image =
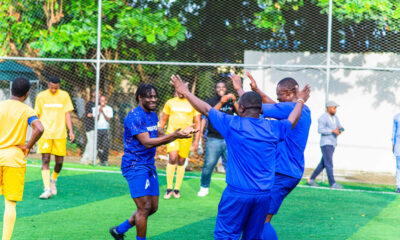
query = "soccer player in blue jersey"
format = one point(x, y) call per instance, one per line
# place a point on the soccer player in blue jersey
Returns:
point(252, 144)
point(141, 137)
point(290, 153)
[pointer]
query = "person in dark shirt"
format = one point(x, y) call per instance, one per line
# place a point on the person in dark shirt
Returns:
point(215, 144)
point(88, 154)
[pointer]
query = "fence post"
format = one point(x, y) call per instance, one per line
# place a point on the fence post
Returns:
point(97, 80)
point(328, 51)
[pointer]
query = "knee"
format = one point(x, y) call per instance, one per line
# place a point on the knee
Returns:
point(172, 161)
point(153, 210)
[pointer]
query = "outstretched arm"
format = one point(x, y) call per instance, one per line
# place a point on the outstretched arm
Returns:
point(148, 142)
point(254, 87)
point(303, 96)
point(182, 88)
point(237, 84)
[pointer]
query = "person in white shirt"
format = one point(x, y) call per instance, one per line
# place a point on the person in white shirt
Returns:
point(104, 116)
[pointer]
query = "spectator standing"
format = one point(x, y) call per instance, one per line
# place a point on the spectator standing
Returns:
point(88, 154)
point(104, 116)
point(215, 144)
point(330, 128)
point(396, 148)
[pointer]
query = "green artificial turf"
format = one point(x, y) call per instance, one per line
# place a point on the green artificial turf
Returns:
point(89, 203)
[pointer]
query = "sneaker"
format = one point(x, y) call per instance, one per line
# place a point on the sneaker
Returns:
point(336, 186)
point(312, 183)
point(398, 190)
point(168, 194)
point(53, 187)
point(176, 194)
point(203, 192)
point(46, 194)
point(115, 234)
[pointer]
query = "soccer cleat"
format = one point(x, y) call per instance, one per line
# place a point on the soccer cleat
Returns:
point(312, 183)
point(46, 194)
point(398, 190)
point(53, 187)
point(336, 186)
point(176, 194)
point(203, 192)
point(115, 234)
point(168, 194)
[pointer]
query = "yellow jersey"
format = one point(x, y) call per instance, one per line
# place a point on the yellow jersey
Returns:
point(180, 112)
point(51, 109)
point(14, 116)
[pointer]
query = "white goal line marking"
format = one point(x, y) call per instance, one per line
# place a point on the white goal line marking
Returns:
point(218, 179)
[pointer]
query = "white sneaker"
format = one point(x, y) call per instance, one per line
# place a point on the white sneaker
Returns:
point(53, 187)
point(203, 192)
point(46, 194)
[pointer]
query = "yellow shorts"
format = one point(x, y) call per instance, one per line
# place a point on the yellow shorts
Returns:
point(56, 147)
point(12, 182)
point(180, 145)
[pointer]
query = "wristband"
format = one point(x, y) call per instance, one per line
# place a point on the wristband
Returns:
point(300, 100)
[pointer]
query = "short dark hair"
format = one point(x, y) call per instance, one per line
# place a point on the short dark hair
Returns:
point(54, 79)
point(288, 83)
point(219, 81)
point(144, 90)
point(20, 86)
point(251, 100)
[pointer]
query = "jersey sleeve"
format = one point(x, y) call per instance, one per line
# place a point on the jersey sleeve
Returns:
point(220, 121)
point(135, 124)
point(277, 110)
point(167, 108)
point(68, 107)
point(31, 115)
point(282, 128)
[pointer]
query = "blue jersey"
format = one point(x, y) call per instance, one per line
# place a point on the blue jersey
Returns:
point(290, 154)
point(138, 121)
point(252, 145)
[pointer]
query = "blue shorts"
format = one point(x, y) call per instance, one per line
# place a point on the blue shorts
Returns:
point(282, 187)
point(241, 212)
point(142, 180)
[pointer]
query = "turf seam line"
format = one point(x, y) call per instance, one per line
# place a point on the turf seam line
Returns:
point(220, 179)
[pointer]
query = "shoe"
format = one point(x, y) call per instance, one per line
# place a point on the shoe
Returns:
point(46, 194)
point(336, 186)
point(53, 187)
point(312, 183)
point(398, 190)
point(168, 194)
point(176, 194)
point(203, 192)
point(115, 234)
point(106, 164)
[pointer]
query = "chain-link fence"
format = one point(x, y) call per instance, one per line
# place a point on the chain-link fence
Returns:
point(204, 40)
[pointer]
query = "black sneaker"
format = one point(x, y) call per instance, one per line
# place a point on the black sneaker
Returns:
point(115, 234)
point(176, 194)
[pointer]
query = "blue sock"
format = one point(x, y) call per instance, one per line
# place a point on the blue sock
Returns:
point(269, 232)
point(139, 238)
point(124, 227)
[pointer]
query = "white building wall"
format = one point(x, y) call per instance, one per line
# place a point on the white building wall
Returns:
point(367, 104)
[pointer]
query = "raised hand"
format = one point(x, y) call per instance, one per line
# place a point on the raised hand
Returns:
point(303, 94)
point(253, 83)
point(237, 81)
point(180, 86)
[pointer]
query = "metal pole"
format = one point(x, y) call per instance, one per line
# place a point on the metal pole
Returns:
point(97, 81)
point(328, 53)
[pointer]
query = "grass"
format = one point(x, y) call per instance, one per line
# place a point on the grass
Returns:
point(90, 202)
